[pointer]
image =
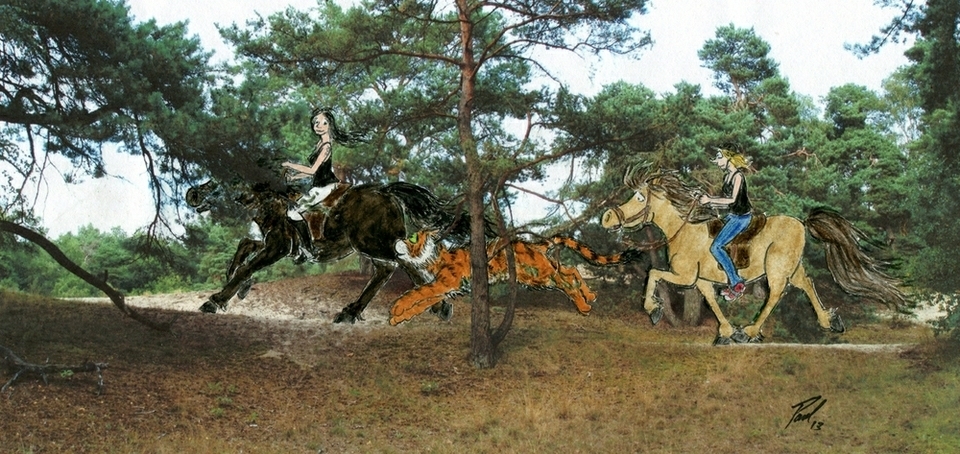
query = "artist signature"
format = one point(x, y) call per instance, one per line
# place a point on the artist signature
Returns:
point(804, 412)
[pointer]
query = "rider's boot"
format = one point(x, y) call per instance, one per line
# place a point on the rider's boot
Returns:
point(306, 241)
point(733, 292)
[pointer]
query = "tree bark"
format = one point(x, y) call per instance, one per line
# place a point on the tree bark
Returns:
point(507, 321)
point(481, 343)
point(692, 307)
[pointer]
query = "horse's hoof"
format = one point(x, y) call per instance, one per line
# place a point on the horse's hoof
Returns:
point(344, 317)
point(739, 336)
point(444, 312)
point(722, 340)
point(209, 308)
point(244, 288)
point(656, 315)
point(836, 324)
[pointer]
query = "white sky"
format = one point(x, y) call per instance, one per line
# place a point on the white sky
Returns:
point(806, 38)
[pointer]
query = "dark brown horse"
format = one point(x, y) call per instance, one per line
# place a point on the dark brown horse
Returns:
point(368, 219)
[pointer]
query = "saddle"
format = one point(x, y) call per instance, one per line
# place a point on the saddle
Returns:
point(334, 196)
point(739, 248)
point(318, 214)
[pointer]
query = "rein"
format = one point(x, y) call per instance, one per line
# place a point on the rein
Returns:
point(644, 213)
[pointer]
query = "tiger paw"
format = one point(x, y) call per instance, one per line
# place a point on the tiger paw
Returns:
point(402, 312)
point(399, 309)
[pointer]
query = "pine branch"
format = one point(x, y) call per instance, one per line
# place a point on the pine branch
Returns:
point(116, 297)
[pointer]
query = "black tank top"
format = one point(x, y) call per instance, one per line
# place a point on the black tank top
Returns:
point(324, 175)
point(741, 205)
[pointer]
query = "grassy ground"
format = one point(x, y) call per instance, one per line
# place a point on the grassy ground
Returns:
point(565, 383)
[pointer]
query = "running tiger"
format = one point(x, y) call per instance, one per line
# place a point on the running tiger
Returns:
point(447, 272)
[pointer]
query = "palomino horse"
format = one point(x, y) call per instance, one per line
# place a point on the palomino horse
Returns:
point(662, 199)
point(367, 218)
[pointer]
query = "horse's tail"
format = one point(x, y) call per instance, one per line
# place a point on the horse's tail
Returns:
point(856, 272)
point(588, 254)
point(426, 210)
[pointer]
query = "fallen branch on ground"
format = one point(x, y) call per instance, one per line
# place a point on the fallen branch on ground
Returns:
point(13, 364)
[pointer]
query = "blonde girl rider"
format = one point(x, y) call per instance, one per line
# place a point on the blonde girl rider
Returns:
point(734, 198)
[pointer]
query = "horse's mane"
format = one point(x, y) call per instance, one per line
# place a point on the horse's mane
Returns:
point(682, 195)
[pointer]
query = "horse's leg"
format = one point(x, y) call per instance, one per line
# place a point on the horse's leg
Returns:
point(710, 295)
point(826, 318)
point(684, 278)
point(382, 270)
point(246, 247)
point(268, 255)
point(778, 285)
point(443, 310)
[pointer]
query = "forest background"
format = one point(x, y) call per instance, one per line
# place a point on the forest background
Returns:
point(79, 76)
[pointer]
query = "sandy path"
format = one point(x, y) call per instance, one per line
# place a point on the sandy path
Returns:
point(309, 304)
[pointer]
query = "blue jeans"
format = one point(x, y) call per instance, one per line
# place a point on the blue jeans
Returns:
point(733, 225)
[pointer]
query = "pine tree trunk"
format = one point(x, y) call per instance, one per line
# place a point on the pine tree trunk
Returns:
point(692, 307)
point(482, 349)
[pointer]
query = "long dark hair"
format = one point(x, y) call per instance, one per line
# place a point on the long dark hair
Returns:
point(341, 136)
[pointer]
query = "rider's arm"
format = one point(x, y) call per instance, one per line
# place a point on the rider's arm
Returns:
point(721, 202)
point(323, 156)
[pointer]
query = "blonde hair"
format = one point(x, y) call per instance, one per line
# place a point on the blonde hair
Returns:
point(737, 159)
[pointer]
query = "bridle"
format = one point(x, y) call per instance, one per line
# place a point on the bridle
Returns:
point(643, 214)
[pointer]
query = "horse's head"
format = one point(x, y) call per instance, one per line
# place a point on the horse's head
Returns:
point(657, 195)
point(635, 211)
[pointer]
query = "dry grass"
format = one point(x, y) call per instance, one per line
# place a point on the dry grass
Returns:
point(565, 383)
